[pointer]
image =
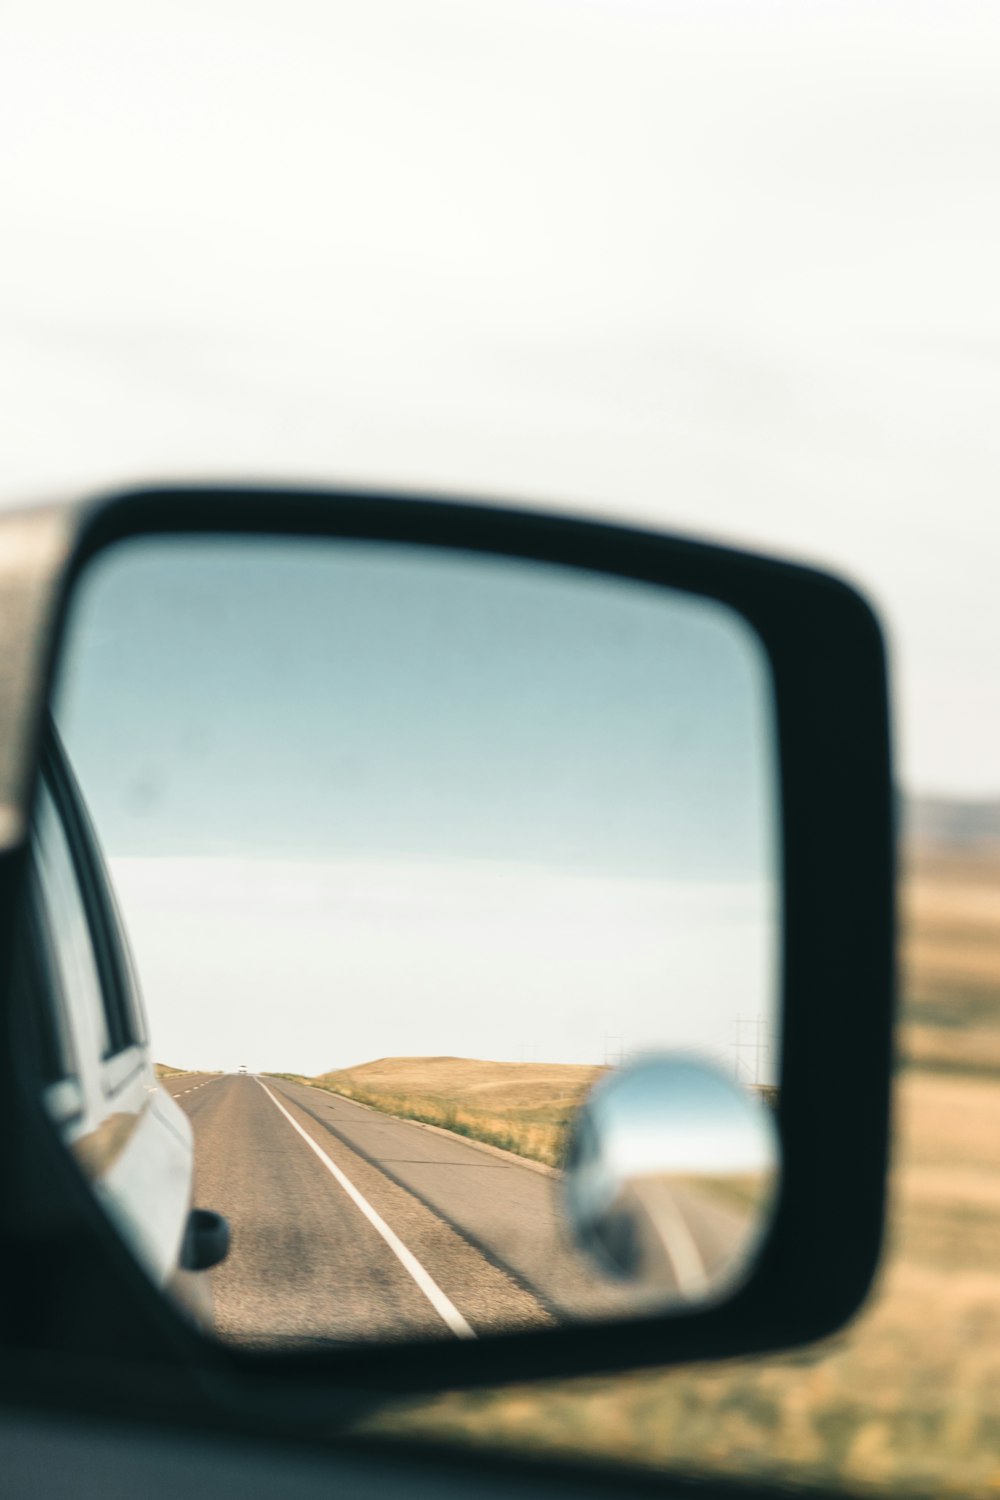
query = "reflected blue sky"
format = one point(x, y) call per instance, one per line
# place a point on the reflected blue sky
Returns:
point(482, 807)
point(259, 698)
point(676, 1114)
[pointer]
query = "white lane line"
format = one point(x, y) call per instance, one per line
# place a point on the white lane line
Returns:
point(435, 1296)
point(682, 1252)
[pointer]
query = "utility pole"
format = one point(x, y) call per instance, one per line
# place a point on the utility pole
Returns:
point(614, 1050)
point(749, 1072)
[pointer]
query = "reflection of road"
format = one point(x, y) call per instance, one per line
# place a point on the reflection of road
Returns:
point(680, 1239)
point(349, 1224)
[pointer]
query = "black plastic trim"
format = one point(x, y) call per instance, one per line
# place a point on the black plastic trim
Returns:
point(827, 658)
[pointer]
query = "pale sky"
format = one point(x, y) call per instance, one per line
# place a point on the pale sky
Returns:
point(304, 967)
point(360, 801)
point(730, 268)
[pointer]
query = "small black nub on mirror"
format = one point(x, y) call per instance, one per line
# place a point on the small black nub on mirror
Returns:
point(206, 1240)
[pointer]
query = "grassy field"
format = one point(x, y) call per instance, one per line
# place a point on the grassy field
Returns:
point(742, 1190)
point(950, 913)
point(907, 1400)
point(520, 1107)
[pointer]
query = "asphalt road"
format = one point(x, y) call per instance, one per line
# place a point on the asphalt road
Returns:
point(351, 1225)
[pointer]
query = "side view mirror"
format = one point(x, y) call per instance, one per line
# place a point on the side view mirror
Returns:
point(480, 915)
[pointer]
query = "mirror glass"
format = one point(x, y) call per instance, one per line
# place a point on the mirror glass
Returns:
point(669, 1175)
point(359, 867)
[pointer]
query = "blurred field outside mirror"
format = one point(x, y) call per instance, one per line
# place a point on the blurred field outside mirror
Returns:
point(412, 848)
point(670, 1176)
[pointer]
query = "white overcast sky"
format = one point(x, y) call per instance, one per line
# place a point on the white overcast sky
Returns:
point(728, 268)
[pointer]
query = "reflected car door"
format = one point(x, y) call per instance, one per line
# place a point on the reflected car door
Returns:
point(124, 1130)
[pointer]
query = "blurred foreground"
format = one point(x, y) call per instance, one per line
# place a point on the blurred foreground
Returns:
point(908, 1398)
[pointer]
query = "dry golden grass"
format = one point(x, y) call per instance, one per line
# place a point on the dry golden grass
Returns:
point(907, 1400)
point(526, 1108)
point(966, 1049)
point(950, 928)
point(164, 1070)
point(520, 1107)
point(739, 1190)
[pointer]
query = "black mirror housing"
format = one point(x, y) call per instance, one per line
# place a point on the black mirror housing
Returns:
point(827, 659)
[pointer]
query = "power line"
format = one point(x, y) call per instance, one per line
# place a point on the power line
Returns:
point(749, 1071)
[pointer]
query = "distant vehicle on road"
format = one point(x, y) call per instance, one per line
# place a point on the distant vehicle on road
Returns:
point(243, 1067)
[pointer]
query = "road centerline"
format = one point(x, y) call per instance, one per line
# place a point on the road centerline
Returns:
point(442, 1304)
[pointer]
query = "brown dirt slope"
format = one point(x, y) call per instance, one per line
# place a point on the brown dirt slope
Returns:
point(522, 1107)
